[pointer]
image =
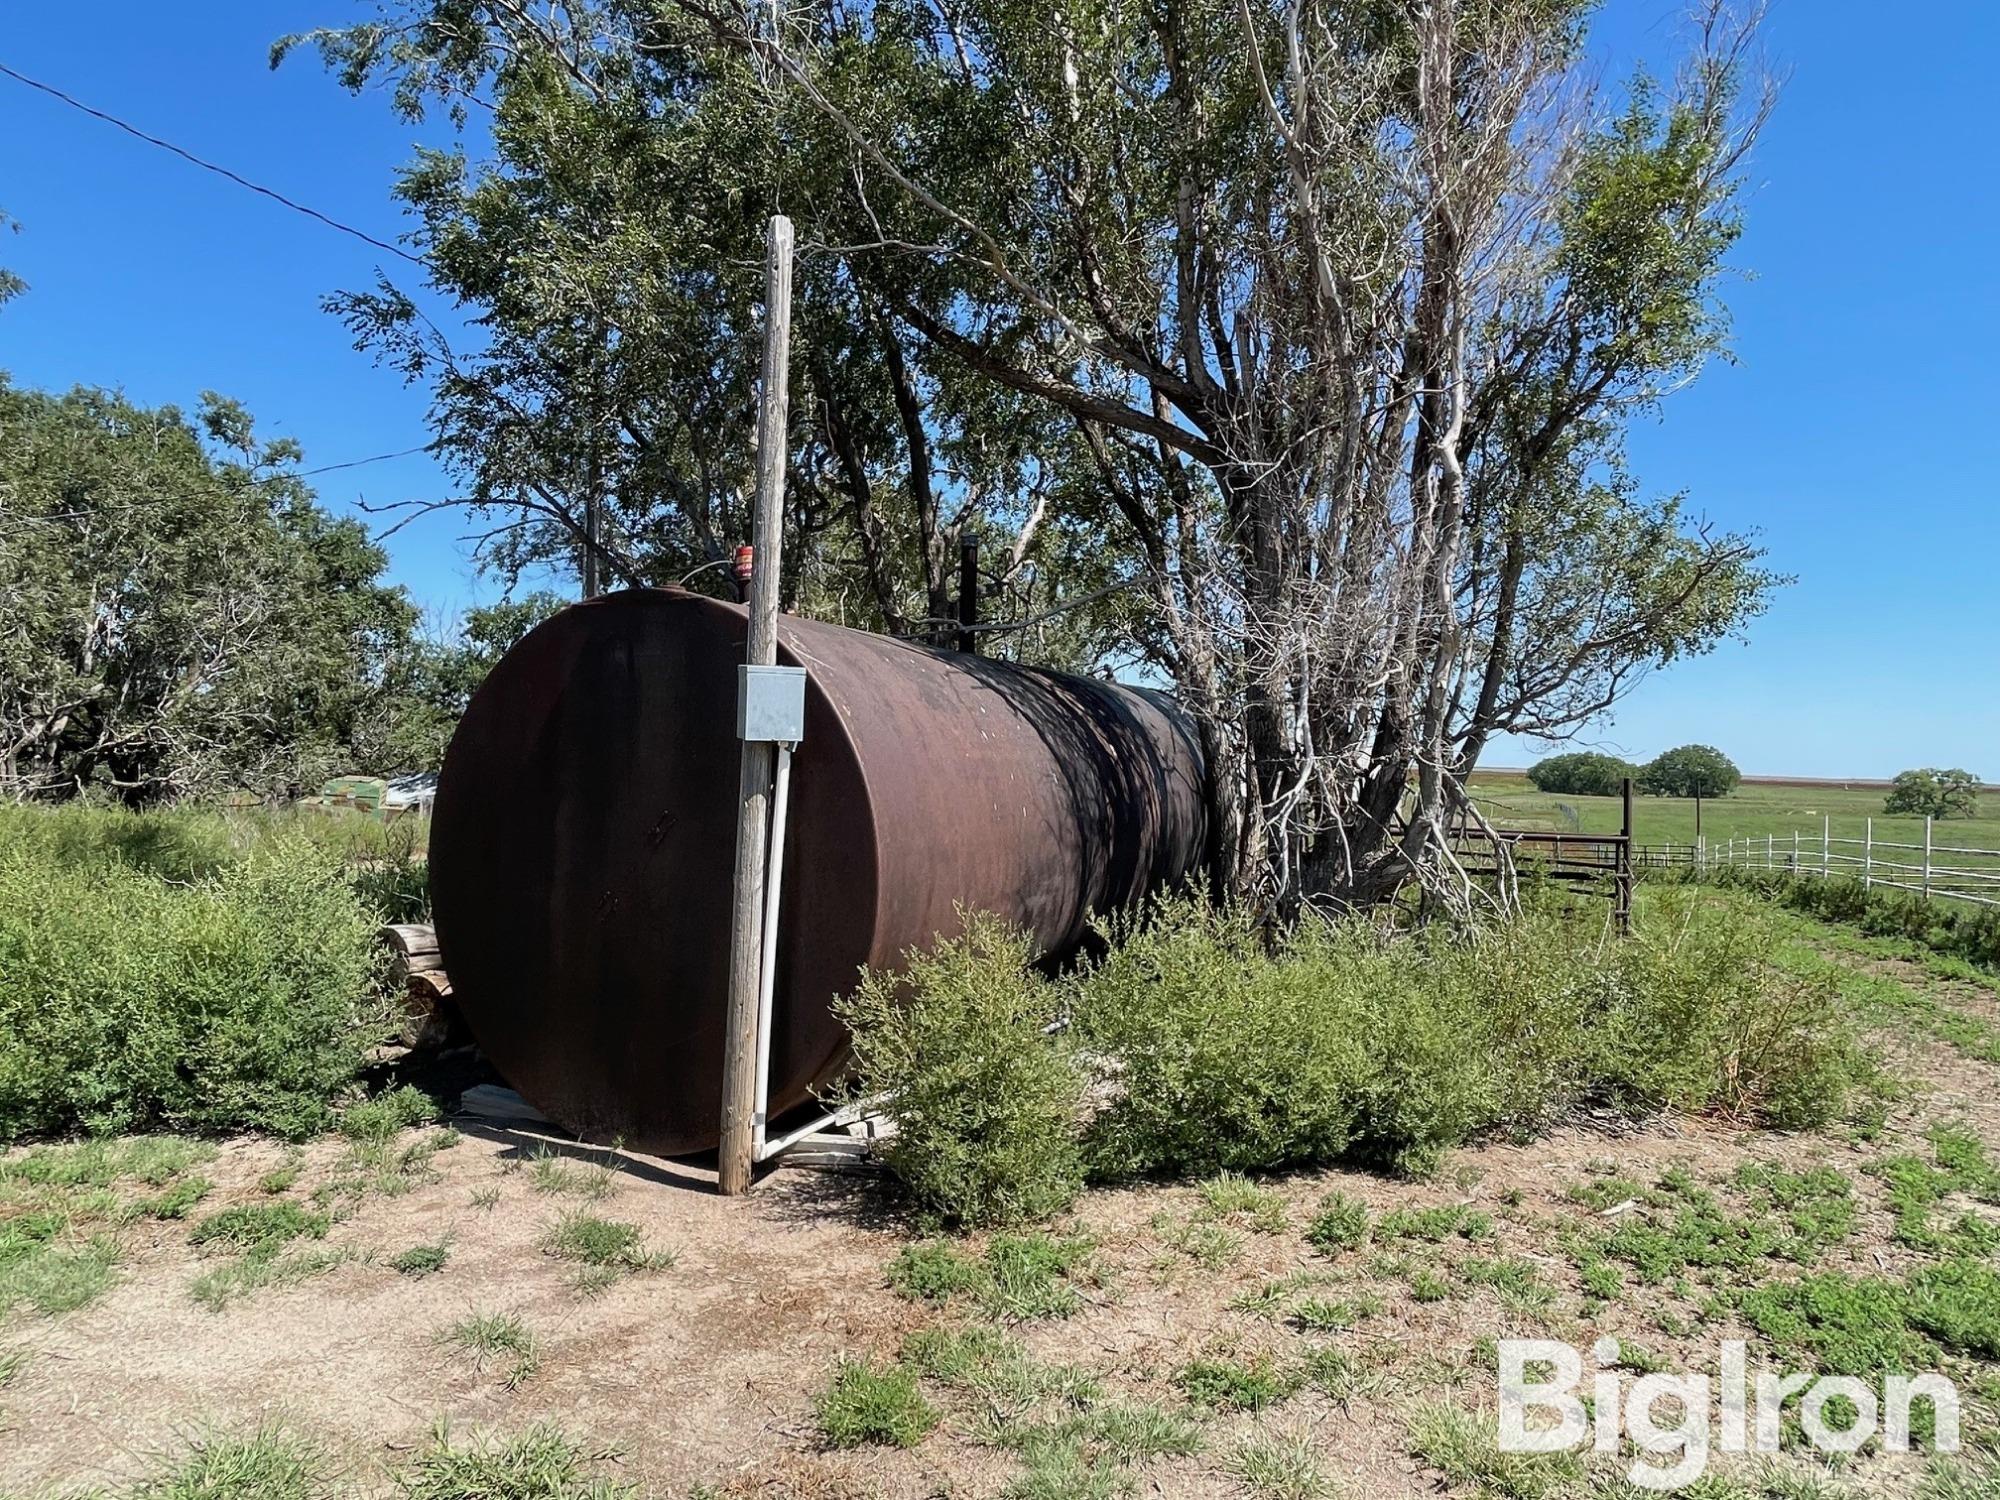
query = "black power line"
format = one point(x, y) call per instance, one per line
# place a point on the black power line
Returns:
point(209, 166)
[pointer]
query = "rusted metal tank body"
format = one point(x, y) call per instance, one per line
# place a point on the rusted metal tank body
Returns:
point(584, 837)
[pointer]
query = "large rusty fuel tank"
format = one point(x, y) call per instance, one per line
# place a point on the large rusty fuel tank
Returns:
point(584, 838)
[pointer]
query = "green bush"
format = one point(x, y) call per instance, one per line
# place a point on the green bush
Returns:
point(243, 997)
point(1202, 1048)
point(1956, 930)
point(986, 1100)
point(1220, 1058)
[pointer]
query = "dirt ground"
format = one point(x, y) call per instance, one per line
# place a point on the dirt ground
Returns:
point(703, 1372)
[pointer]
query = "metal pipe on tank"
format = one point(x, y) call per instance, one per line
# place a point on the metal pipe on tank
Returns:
point(582, 843)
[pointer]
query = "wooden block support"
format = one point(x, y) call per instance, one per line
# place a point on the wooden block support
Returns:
point(416, 968)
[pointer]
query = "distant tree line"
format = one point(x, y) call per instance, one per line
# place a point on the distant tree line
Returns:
point(184, 618)
point(1687, 771)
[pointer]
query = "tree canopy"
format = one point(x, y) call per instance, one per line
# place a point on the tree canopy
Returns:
point(1690, 771)
point(181, 615)
point(1932, 793)
point(1293, 350)
point(1582, 773)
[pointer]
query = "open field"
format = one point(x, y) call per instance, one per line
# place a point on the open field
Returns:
point(246, 1305)
point(1752, 810)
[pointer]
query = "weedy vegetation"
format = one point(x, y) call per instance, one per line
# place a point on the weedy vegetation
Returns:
point(1019, 1278)
point(146, 982)
point(1207, 1051)
point(491, 1337)
point(863, 1404)
point(603, 1250)
point(421, 1260)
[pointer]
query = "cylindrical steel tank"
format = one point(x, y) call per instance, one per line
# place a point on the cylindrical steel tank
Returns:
point(584, 836)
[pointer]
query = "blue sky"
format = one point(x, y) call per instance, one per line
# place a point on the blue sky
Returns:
point(1852, 429)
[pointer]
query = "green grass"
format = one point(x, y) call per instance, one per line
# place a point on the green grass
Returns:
point(1274, 1467)
point(1436, 1224)
point(1864, 1325)
point(1751, 810)
point(248, 1227)
point(1034, 1275)
point(489, 1337)
point(178, 1201)
point(541, 1463)
point(1960, 1478)
point(53, 1276)
point(382, 1117)
point(268, 1267)
point(1340, 1224)
point(933, 1272)
point(1231, 1195)
point(1513, 1280)
point(1206, 1243)
point(1429, 1286)
point(282, 1179)
point(863, 1404)
point(995, 1368)
point(602, 1249)
point(1335, 1315)
point(153, 1159)
point(1765, 1214)
point(1236, 1385)
point(1958, 1165)
point(269, 1464)
point(61, 1208)
point(1020, 1278)
point(1465, 1449)
point(554, 1174)
point(420, 1260)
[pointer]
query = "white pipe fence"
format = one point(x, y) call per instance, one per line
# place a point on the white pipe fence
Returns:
point(1877, 863)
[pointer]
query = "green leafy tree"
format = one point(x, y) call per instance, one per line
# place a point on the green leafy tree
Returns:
point(1311, 334)
point(11, 285)
point(181, 616)
point(1690, 771)
point(1582, 773)
point(427, 684)
point(1931, 793)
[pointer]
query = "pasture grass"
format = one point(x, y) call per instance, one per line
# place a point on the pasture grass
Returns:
point(267, 1464)
point(555, 1174)
point(1752, 810)
point(63, 1207)
point(1464, 1447)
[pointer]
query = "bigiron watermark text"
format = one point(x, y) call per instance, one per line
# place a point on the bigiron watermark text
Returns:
point(1543, 1396)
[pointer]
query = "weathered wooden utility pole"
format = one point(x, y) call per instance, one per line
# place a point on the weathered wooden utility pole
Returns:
point(739, 1045)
